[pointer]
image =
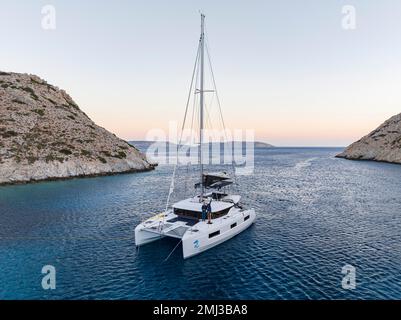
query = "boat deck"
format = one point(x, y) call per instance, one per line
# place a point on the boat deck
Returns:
point(189, 222)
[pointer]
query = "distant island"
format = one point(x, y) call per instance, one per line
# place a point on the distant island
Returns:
point(382, 144)
point(259, 144)
point(146, 143)
point(46, 136)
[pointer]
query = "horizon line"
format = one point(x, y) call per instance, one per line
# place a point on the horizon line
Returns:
point(273, 146)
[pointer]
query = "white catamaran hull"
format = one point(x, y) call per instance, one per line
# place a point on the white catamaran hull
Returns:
point(144, 237)
point(194, 243)
point(197, 238)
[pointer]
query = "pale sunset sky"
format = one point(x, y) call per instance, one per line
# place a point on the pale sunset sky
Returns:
point(286, 69)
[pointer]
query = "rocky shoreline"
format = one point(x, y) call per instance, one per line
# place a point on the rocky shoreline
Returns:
point(106, 174)
point(382, 144)
point(44, 135)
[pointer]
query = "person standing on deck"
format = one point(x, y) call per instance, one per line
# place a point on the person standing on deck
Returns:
point(209, 211)
point(204, 210)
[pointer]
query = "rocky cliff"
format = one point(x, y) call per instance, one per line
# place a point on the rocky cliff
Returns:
point(45, 135)
point(382, 144)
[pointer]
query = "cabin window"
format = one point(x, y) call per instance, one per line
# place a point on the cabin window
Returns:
point(198, 215)
point(220, 213)
point(233, 225)
point(246, 218)
point(188, 213)
point(213, 234)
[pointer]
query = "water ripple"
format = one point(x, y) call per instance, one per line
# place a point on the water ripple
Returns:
point(315, 214)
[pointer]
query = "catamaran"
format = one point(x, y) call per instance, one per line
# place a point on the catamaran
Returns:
point(213, 215)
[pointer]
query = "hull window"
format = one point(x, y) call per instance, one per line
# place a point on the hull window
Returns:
point(233, 225)
point(214, 234)
point(246, 218)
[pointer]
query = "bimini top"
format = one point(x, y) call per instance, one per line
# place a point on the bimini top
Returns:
point(215, 180)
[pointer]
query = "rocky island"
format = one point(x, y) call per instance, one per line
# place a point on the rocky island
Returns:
point(259, 144)
point(44, 135)
point(382, 144)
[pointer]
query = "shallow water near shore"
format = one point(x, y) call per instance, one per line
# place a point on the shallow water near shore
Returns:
point(315, 214)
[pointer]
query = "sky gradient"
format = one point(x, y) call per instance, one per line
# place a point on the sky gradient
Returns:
point(286, 69)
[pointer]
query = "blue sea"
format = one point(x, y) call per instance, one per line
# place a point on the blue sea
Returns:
point(315, 214)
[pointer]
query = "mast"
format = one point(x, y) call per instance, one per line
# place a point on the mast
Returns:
point(201, 91)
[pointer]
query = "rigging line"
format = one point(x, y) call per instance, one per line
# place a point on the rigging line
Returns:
point(189, 94)
point(208, 106)
point(191, 137)
point(209, 122)
point(196, 140)
point(218, 103)
point(196, 118)
point(194, 110)
point(192, 124)
point(182, 128)
point(195, 126)
point(212, 73)
point(172, 251)
point(208, 118)
point(193, 116)
point(195, 98)
point(214, 84)
point(211, 99)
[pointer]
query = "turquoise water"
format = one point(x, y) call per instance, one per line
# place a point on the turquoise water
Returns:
point(315, 214)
